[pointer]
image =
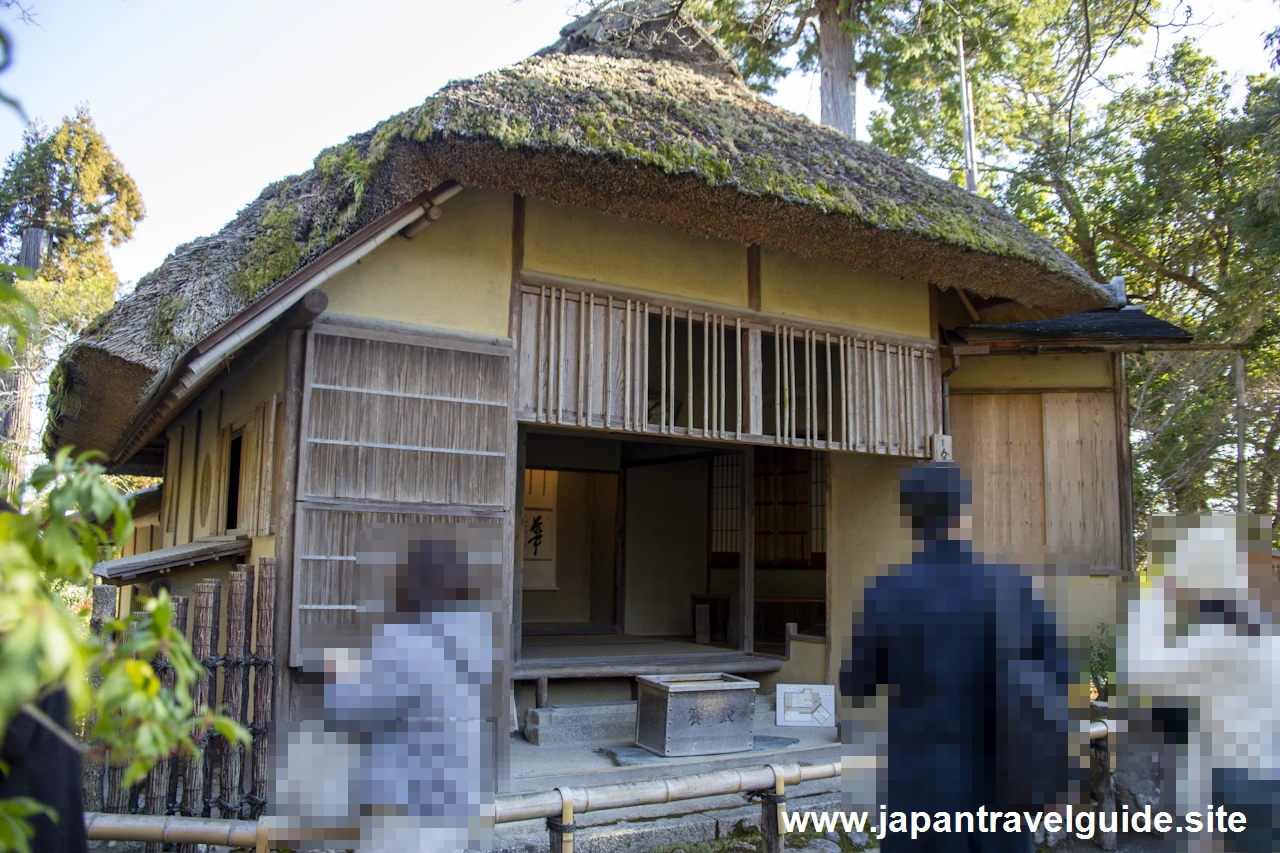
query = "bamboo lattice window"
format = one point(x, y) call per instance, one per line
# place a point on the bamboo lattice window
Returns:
point(617, 361)
point(790, 507)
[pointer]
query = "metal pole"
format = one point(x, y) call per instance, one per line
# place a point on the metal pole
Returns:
point(1242, 481)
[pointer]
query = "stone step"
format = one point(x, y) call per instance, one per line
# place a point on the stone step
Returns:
point(608, 724)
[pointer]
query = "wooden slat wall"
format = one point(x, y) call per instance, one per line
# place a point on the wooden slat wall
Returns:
point(1082, 493)
point(392, 421)
point(616, 361)
point(999, 438)
point(396, 429)
point(328, 589)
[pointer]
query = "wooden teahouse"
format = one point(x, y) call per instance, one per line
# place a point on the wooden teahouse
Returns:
point(697, 334)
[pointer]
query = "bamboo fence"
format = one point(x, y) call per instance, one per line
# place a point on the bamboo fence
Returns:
point(218, 780)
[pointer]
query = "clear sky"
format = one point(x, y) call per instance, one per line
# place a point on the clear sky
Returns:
point(206, 102)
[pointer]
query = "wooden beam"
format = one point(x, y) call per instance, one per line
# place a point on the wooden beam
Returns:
point(747, 570)
point(753, 278)
point(612, 667)
point(968, 306)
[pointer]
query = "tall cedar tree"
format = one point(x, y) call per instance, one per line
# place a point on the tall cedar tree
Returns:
point(68, 183)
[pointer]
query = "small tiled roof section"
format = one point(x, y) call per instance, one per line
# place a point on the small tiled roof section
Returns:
point(1108, 325)
point(174, 557)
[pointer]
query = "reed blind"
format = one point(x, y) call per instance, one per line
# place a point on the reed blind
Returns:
point(396, 429)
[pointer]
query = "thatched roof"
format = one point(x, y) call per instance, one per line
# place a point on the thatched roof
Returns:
point(592, 121)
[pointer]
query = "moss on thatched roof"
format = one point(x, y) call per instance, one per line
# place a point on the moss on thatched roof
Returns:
point(590, 123)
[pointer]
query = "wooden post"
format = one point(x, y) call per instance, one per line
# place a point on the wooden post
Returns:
point(1124, 452)
point(620, 555)
point(193, 788)
point(232, 758)
point(215, 741)
point(517, 551)
point(753, 277)
point(286, 518)
point(560, 832)
point(747, 575)
point(156, 786)
point(543, 693)
point(1104, 786)
point(754, 381)
point(262, 684)
point(772, 837)
point(180, 606)
point(121, 798)
point(104, 610)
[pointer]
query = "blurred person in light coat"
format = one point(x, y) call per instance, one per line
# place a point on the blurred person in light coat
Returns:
point(407, 711)
point(1203, 634)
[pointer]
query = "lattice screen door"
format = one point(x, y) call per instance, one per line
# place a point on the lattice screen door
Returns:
point(396, 428)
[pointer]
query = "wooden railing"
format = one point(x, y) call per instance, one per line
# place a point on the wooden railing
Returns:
point(609, 360)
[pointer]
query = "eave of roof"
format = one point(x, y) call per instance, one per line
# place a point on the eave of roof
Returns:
point(1108, 326)
point(136, 566)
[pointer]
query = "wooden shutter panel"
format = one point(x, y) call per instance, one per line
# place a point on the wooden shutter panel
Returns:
point(1000, 439)
point(1082, 492)
point(396, 428)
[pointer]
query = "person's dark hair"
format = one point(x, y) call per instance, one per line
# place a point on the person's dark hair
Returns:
point(436, 573)
point(933, 495)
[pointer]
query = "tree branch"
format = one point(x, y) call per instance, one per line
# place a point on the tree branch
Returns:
point(772, 45)
point(1159, 268)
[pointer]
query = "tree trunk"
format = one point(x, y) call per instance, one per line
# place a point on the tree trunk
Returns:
point(836, 61)
point(17, 387)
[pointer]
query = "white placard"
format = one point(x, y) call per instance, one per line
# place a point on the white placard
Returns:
point(806, 705)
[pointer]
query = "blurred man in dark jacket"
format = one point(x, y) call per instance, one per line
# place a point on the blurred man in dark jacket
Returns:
point(977, 681)
point(40, 765)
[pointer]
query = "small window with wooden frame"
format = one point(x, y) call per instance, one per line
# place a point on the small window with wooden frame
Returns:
point(246, 462)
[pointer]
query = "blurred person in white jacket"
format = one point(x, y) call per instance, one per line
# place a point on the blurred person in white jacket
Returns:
point(1203, 634)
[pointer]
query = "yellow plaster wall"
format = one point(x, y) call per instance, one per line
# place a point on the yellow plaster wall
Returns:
point(1069, 370)
point(186, 443)
point(833, 292)
point(1080, 602)
point(865, 537)
point(454, 275)
point(804, 667)
point(630, 253)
